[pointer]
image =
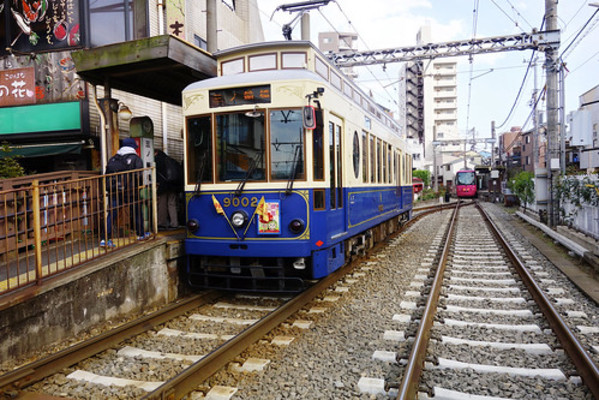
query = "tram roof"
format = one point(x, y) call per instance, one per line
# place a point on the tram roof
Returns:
point(254, 77)
point(263, 45)
point(158, 67)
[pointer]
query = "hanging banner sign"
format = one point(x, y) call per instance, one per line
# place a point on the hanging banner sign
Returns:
point(17, 87)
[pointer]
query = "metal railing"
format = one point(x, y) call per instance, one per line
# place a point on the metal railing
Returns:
point(51, 227)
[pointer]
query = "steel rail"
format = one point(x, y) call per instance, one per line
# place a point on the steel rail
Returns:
point(408, 388)
point(586, 367)
point(12, 382)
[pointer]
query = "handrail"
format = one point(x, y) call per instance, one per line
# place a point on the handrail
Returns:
point(53, 225)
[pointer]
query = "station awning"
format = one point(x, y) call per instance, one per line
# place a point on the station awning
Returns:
point(158, 67)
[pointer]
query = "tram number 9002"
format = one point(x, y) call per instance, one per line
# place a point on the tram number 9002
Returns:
point(240, 201)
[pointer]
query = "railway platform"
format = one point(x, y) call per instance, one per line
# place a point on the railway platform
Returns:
point(75, 301)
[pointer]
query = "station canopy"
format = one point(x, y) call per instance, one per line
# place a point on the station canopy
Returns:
point(158, 67)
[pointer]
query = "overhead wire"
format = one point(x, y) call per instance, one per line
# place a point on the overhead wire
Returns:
point(367, 47)
point(582, 4)
point(519, 15)
point(579, 33)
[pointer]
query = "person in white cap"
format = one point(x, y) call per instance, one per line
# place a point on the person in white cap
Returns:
point(122, 188)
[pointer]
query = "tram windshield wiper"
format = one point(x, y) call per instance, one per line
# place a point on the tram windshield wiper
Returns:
point(296, 159)
point(249, 173)
point(200, 173)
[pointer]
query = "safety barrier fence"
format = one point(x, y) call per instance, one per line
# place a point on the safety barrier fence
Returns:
point(52, 226)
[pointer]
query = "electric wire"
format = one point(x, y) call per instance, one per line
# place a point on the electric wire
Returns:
point(519, 91)
point(505, 13)
point(367, 47)
point(582, 4)
point(519, 15)
point(523, 126)
point(584, 62)
point(579, 33)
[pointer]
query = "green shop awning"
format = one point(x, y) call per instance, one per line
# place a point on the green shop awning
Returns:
point(38, 118)
point(43, 149)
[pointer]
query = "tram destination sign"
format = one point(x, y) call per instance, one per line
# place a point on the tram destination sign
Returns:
point(240, 95)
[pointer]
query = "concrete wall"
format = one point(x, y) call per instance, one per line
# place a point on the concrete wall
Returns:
point(132, 282)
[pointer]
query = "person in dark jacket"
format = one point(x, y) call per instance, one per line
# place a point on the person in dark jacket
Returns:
point(169, 176)
point(122, 188)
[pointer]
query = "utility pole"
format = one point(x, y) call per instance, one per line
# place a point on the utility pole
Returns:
point(492, 144)
point(434, 144)
point(211, 18)
point(535, 120)
point(551, 71)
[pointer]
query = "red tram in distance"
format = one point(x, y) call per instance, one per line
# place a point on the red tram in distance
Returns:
point(465, 183)
point(417, 185)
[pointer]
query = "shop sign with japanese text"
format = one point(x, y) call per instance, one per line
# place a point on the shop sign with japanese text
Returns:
point(17, 87)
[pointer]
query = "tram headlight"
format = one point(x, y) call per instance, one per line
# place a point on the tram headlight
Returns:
point(239, 219)
point(297, 226)
point(193, 225)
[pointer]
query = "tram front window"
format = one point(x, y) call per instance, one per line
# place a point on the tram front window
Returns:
point(465, 178)
point(199, 150)
point(240, 147)
point(286, 144)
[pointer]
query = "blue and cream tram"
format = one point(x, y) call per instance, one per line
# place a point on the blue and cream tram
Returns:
point(290, 170)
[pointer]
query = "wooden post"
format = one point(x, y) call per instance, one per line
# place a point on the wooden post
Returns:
point(37, 230)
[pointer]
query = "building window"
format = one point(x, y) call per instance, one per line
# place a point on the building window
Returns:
point(111, 21)
point(199, 42)
point(230, 4)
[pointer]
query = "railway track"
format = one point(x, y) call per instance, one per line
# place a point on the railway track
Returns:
point(164, 355)
point(167, 354)
point(494, 330)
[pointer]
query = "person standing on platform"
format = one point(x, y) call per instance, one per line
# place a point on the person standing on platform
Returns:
point(122, 189)
point(169, 176)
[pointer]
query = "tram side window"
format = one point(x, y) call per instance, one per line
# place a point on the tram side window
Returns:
point(332, 176)
point(384, 163)
point(378, 161)
point(240, 147)
point(356, 155)
point(286, 145)
point(364, 157)
point(389, 163)
point(318, 152)
point(199, 150)
point(339, 166)
point(372, 161)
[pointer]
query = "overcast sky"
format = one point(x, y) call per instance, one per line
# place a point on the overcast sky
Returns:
point(490, 94)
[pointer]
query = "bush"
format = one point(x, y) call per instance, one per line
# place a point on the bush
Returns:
point(523, 186)
point(424, 175)
point(9, 166)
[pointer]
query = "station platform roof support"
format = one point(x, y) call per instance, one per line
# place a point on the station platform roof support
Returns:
point(158, 67)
